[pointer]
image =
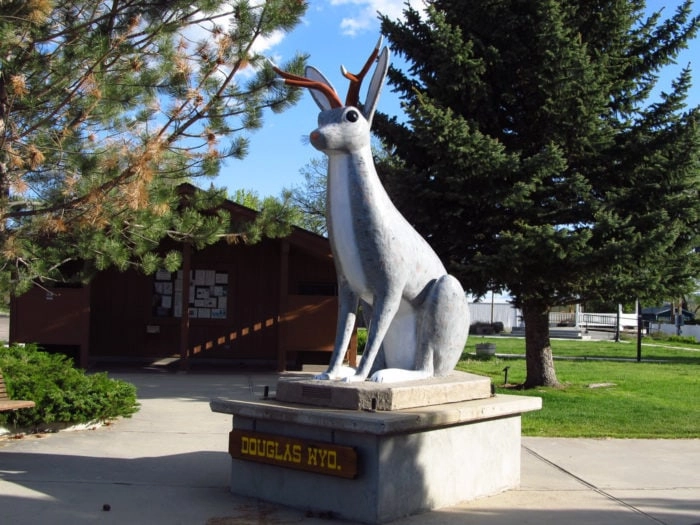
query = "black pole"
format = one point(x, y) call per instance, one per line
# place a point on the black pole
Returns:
point(639, 332)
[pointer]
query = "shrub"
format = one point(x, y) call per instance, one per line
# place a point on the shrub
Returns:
point(482, 328)
point(361, 339)
point(62, 393)
point(687, 339)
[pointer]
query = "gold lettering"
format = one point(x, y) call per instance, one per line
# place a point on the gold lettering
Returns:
point(258, 450)
point(283, 451)
point(324, 453)
point(327, 458)
point(311, 455)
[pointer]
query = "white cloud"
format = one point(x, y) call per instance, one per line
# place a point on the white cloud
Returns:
point(261, 45)
point(203, 32)
point(366, 17)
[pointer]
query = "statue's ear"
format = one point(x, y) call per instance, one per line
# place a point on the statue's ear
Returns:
point(375, 86)
point(319, 97)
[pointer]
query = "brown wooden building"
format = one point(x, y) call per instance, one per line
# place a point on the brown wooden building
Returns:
point(271, 303)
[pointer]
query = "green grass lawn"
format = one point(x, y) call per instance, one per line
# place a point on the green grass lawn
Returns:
point(602, 396)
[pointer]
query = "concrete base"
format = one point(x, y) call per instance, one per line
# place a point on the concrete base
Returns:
point(368, 395)
point(408, 461)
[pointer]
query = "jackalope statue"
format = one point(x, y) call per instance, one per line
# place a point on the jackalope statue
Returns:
point(419, 318)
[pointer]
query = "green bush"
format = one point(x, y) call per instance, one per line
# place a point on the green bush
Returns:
point(62, 393)
point(361, 339)
point(685, 339)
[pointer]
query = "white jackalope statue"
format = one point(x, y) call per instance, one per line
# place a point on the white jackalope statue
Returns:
point(419, 318)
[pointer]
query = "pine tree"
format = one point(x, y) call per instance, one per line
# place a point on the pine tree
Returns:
point(106, 107)
point(536, 157)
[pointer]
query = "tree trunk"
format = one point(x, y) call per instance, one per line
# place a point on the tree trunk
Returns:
point(538, 352)
point(4, 183)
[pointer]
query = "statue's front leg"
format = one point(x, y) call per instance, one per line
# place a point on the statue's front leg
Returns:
point(384, 309)
point(347, 312)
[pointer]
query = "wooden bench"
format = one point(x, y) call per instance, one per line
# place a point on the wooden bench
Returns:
point(7, 404)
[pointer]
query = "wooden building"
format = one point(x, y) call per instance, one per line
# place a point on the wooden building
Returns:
point(270, 303)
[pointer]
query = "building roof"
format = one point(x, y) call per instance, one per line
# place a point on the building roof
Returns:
point(664, 311)
point(307, 240)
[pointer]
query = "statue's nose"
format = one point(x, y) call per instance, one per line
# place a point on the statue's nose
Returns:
point(316, 139)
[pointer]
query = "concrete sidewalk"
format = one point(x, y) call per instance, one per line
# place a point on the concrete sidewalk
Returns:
point(168, 465)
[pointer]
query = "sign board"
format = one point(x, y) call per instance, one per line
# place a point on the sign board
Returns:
point(295, 453)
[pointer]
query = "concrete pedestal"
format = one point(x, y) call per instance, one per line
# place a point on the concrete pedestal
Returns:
point(367, 395)
point(408, 461)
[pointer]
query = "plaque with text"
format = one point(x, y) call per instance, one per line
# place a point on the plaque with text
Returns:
point(295, 453)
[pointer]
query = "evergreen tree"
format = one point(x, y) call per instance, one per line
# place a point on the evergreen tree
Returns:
point(536, 158)
point(106, 107)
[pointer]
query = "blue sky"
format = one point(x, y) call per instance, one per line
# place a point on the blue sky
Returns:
point(336, 32)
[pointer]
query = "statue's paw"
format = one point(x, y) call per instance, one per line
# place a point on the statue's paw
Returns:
point(396, 375)
point(332, 375)
point(355, 378)
point(388, 375)
point(380, 377)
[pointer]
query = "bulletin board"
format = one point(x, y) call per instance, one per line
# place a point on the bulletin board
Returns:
point(207, 294)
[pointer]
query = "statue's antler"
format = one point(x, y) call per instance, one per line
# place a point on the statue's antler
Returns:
point(353, 97)
point(298, 81)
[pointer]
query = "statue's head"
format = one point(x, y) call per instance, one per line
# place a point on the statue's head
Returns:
point(343, 126)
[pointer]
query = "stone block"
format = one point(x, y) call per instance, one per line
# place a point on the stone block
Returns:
point(367, 395)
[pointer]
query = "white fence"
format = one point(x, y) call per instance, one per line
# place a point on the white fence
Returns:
point(594, 320)
point(691, 330)
point(511, 317)
point(495, 313)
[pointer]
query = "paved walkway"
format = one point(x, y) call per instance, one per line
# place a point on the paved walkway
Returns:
point(168, 465)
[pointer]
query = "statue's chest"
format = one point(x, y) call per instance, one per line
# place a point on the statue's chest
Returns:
point(351, 229)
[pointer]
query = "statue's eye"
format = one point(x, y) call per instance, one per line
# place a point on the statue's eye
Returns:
point(352, 116)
